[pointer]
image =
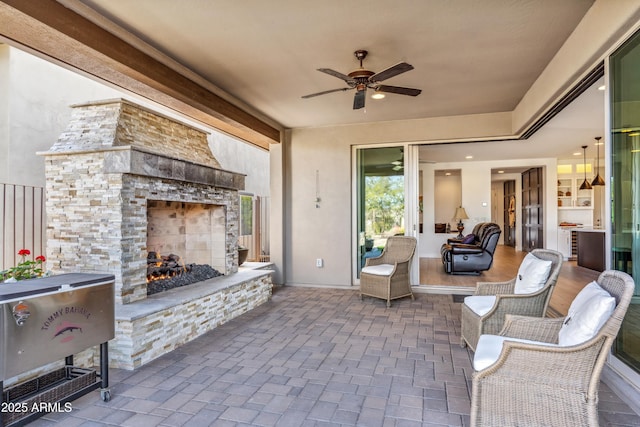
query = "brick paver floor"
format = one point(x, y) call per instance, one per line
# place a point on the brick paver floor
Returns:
point(309, 357)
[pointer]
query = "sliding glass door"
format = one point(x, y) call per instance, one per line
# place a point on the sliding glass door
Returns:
point(380, 199)
point(625, 187)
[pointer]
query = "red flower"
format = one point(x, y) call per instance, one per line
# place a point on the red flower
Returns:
point(41, 258)
point(24, 252)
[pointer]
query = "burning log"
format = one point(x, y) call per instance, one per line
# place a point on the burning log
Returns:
point(168, 272)
point(163, 267)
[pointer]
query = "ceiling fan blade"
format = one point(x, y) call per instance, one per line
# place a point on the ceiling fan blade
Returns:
point(394, 70)
point(326, 91)
point(358, 99)
point(399, 90)
point(336, 74)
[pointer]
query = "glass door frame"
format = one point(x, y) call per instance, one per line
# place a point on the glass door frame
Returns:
point(619, 366)
point(410, 204)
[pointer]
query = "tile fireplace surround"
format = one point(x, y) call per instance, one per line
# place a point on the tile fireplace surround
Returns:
point(111, 161)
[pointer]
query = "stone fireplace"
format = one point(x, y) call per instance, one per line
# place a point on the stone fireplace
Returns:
point(122, 181)
point(115, 164)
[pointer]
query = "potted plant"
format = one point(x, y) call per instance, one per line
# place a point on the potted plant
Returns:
point(25, 269)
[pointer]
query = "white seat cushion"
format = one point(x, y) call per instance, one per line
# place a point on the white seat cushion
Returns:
point(490, 346)
point(590, 309)
point(532, 275)
point(378, 270)
point(480, 304)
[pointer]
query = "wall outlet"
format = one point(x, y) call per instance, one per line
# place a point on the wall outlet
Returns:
point(319, 262)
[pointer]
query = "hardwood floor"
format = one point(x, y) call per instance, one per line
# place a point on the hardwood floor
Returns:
point(505, 266)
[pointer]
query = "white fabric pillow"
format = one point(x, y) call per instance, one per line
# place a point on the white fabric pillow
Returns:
point(590, 309)
point(583, 296)
point(378, 270)
point(480, 304)
point(532, 275)
point(490, 346)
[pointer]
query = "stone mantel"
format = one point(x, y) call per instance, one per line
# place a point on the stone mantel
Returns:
point(136, 161)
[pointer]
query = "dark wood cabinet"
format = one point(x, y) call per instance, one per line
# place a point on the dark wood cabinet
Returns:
point(509, 209)
point(591, 249)
point(532, 210)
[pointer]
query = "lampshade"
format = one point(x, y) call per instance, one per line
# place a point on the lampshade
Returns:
point(585, 184)
point(460, 214)
point(598, 179)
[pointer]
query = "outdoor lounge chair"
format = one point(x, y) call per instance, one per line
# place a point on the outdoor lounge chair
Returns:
point(527, 294)
point(387, 276)
point(546, 371)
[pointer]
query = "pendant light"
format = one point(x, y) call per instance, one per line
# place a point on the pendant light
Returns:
point(598, 179)
point(585, 184)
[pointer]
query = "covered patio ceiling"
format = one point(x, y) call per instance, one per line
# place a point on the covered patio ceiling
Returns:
point(243, 67)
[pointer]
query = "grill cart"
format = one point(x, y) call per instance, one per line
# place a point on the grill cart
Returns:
point(49, 319)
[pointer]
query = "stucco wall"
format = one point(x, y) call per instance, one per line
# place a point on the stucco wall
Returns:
point(326, 232)
point(35, 109)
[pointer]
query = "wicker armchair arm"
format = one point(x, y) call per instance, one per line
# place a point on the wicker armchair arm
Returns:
point(495, 288)
point(538, 363)
point(374, 261)
point(532, 328)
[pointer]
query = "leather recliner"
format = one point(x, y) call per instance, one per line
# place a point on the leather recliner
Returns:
point(471, 259)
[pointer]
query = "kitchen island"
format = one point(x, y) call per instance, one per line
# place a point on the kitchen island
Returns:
point(591, 248)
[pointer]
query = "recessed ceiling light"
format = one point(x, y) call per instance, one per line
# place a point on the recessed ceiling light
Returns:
point(577, 154)
point(500, 171)
point(603, 87)
point(469, 157)
point(377, 95)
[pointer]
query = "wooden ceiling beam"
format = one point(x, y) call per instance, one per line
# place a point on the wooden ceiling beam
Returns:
point(57, 32)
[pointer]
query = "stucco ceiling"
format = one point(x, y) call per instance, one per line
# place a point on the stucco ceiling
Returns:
point(469, 56)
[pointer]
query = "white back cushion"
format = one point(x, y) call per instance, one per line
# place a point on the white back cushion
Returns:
point(590, 309)
point(532, 275)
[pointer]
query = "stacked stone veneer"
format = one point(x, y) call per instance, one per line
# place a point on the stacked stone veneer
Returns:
point(114, 159)
point(158, 325)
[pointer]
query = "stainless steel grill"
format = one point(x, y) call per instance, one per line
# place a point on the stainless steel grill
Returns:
point(53, 318)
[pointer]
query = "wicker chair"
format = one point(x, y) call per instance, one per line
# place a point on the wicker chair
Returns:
point(533, 304)
point(543, 383)
point(387, 276)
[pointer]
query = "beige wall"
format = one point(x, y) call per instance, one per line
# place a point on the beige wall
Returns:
point(326, 232)
point(35, 101)
point(35, 108)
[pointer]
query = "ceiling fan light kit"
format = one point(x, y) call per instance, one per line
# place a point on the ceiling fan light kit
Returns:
point(363, 79)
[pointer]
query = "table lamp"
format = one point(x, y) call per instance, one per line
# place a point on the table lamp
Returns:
point(459, 216)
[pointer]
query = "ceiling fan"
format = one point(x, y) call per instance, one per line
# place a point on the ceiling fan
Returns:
point(363, 79)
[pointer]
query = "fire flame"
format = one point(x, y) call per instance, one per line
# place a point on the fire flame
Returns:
point(169, 275)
